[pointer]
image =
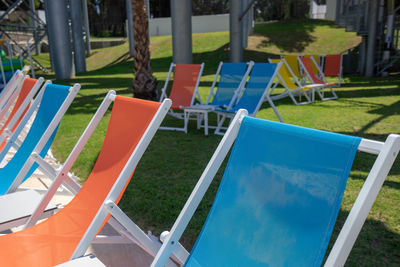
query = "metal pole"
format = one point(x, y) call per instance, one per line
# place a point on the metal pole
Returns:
point(235, 43)
point(129, 18)
point(59, 39)
point(373, 17)
point(51, 52)
point(77, 36)
point(33, 24)
point(86, 26)
point(181, 19)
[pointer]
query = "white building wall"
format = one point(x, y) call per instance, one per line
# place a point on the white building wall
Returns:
point(200, 24)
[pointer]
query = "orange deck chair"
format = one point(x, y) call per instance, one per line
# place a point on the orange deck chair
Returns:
point(333, 67)
point(184, 90)
point(67, 234)
point(28, 89)
point(306, 64)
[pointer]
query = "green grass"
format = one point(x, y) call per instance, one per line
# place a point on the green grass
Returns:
point(174, 161)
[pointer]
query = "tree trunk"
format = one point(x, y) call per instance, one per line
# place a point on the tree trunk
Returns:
point(144, 83)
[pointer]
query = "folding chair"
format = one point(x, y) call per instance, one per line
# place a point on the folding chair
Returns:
point(10, 87)
point(317, 66)
point(53, 101)
point(261, 79)
point(279, 197)
point(293, 65)
point(306, 64)
point(23, 96)
point(184, 90)
point(231, 78)
point(333, 67)
point(292, 85)
point(67, 234)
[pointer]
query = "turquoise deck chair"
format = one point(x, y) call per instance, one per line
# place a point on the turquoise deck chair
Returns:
point(261, 79)
point(279, 197)
point(54, 101)
point(232, 76)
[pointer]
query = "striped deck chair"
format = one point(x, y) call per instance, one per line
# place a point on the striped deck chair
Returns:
point(53, 101)
point(306, 64)
point(333, 67)
point(67, 234)
point(261, 79)
point(231, 76)
point(184, 90)
point(279, 197)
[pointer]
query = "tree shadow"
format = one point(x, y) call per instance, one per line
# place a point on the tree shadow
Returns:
point(292, 35)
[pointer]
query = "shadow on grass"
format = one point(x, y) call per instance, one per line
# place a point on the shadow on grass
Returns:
point(292, 36)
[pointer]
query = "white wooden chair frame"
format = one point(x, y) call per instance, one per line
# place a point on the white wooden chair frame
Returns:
point(179, 115)
point(386, 151)
point(221, 115)
point(128, 231)
point(319, 90)
point(200, 112)
point(6, 110)
point(10, 87)
point(299, 92)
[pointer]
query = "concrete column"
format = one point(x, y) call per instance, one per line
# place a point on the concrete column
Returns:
point(361, 55)
point(77, 36)
point(59, 39)
point(235, 37)
point(181, 19)
point(244, 23)
point(129, 18)
point(86, 26)
point(371, 45)
point(34, 25)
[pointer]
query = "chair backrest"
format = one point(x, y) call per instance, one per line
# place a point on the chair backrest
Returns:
point(53, 98)
point(314, 67)
point(53, 241)
point(27, 86)
point(293, 64)
point(286, 76)
point(230, 78)
point(186, 78)
point(278, 199)
point(307, 64)
point(261, 79)
point(333, 65)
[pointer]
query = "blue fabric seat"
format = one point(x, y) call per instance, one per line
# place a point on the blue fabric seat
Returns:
point(53, 97)
point(230, 77)
point(278, 199)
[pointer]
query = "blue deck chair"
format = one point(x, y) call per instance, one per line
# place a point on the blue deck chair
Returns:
point(261, 79)
point(231, 76)
point(53, 101)
point(279, 197)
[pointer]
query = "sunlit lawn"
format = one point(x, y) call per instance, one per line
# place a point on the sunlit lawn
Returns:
point(174, 161)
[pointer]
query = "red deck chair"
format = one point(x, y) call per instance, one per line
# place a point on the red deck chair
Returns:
point(184, 90)
point(67, 234)
point(306, 64)
point(24, 96)
point(333, 66)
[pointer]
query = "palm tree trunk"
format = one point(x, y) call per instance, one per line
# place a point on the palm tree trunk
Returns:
point(144, 83)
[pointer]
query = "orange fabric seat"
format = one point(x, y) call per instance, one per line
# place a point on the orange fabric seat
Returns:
point(54, 240)
point(332, 65)
point(26, 88)
point(184, 85)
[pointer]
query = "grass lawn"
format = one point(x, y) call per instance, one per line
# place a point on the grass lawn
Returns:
point(174, 161)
